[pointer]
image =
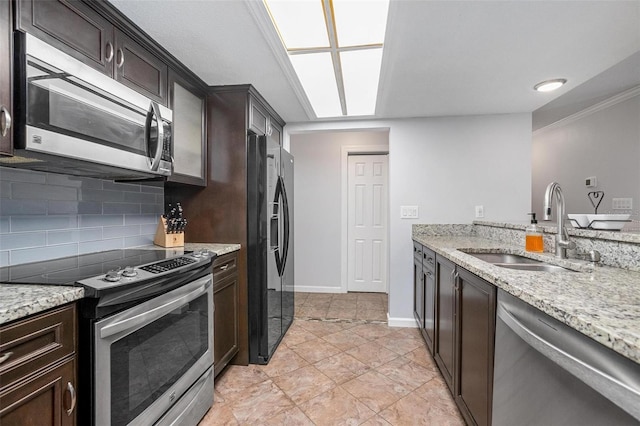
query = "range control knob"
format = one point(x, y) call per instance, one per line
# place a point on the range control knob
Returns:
point(129, 272)
point(112, 276)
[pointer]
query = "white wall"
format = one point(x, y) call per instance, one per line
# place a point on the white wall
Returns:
point(446, 166)
point(605, 144)
point(318, 205)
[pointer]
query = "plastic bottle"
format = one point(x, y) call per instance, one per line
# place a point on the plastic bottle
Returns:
point(533, 236)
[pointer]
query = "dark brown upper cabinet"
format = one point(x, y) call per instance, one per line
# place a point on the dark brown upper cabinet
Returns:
point(140, 69)
point(6, 105)
point(188, 103)
point(72, 27)
point(80, 31)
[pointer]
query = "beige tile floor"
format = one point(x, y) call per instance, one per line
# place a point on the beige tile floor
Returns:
point(337, 371)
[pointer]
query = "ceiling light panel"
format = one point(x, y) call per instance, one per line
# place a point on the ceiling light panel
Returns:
point(360, 22)
point(360, 73)
point(316, 74)
point(301, 23)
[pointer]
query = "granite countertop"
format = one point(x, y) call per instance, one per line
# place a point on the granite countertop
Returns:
point(21, 300)
point(600, 302)
point(217, 248)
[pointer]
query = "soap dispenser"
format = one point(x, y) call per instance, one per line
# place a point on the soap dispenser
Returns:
point(533, 236)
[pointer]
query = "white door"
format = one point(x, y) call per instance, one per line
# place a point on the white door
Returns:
point(367, 223)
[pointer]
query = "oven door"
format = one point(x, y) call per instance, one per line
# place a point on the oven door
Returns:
point(148, 356)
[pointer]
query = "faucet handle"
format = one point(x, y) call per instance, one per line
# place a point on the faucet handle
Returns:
point(594, 256)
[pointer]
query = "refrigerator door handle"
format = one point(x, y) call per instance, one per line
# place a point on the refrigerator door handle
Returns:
point(285, 205)
point(275, 230)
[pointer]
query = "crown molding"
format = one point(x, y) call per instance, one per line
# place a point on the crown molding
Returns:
point(607, 103)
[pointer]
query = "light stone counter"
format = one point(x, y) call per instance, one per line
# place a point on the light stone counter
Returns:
point(601, 302)
point(21, 300)
point(217, 248)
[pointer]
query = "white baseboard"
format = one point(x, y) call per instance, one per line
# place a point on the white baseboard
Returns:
point(401, 322)
point(317, 289)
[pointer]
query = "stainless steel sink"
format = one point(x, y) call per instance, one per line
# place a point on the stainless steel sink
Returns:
point(503, 258)
point(514, 261)
point(542, 267)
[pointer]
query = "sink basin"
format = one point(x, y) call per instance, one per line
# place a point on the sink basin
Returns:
point(540, 267)
point(514, 261)
point(503, 258)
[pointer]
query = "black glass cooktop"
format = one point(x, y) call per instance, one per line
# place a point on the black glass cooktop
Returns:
point(68, 270)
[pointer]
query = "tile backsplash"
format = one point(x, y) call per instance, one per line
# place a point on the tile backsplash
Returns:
point(45, 216)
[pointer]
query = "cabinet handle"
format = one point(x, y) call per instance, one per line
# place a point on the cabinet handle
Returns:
point(72, 392)
point(120, 59)
point(224, 267)
point(109, 49)
point(430, 259)
point(428, 273)
point(5, 121)
point(5, 356)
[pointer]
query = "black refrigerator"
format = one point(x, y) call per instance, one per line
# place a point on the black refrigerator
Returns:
point(269, 246)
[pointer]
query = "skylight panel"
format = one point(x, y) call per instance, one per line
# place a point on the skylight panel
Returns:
point(360, 73)
point(360, 22)
point(316, 74)
point(301, 23)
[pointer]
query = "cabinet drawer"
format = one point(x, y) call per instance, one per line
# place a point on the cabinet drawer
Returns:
point(428, 258)
point(36, 342)
point(224, 266)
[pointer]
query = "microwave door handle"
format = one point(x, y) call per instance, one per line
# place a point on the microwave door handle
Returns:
point(154, 109)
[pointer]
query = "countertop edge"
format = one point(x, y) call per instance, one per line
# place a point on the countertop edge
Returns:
point(22, 300)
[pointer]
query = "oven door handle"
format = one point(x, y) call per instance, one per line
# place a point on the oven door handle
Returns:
point(152, 314)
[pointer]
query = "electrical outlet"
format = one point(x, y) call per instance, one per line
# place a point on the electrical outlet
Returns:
point(622, 204)
point(479, 211)
point(408, 212)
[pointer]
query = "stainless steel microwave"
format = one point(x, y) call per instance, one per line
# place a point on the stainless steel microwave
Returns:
point(72, 119)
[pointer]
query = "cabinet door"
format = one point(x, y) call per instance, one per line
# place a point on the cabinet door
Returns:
point(48, 398)
point(189, 143)
point(429, 279)
point(225, 323)
point(445, 347)
point(6, 110)
point(258, 117)
point(274, 132)
point(418, 292)
point(72, 27)
point(140, 69)
point(476, 316)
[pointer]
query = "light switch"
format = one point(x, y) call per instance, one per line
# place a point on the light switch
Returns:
point(479, 211)
point(622, 204)
point(408, 212)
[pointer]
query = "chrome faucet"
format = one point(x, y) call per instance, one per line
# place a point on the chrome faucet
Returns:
point(562, 239)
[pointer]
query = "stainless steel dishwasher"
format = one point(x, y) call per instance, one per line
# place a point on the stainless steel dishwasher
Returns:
point(547, 373)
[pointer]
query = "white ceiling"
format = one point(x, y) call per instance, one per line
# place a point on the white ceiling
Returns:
point(441, 57)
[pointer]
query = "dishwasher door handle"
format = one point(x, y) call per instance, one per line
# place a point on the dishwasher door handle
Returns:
point(603, 382)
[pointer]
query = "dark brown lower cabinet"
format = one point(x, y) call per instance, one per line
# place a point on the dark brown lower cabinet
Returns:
point(45, 399)
point(463, 340)
point(225, 301)
point(445, 353)
point(476, 312)
point(38, 369)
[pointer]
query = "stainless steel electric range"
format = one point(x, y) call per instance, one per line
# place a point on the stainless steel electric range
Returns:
point(145, 333)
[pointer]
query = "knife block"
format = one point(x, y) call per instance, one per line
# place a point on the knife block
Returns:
point(167, 240)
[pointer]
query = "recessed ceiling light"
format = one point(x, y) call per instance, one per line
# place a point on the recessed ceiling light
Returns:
point(549, 85)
